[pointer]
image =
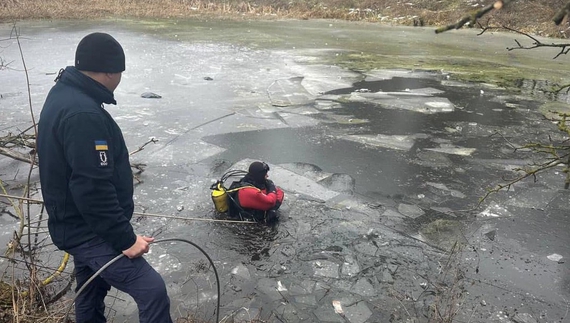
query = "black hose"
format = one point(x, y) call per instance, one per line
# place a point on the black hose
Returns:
point(110, 262)
point(233, 173)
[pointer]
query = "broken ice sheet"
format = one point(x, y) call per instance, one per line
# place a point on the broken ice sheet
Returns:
point(325, 268)
point(453, 150)
point(280, 287)
point(242, 271)
point(554, 257)
point(337, 307)
point(495, 210)
point(398, 142)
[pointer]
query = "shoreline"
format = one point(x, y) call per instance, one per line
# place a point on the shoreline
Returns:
point(424, 14)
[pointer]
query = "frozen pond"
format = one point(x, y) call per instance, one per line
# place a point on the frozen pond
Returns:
point(382, 169)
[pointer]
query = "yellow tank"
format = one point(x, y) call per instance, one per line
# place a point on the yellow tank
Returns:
point(220, 198)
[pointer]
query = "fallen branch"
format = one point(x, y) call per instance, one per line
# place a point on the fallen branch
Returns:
point(15, 155)
point(152, 140)
point(19, 140)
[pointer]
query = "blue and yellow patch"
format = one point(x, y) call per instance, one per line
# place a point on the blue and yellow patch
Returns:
point(101, 145)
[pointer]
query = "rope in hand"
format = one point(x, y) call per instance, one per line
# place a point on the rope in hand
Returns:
point(98, 272)
point(163, 240)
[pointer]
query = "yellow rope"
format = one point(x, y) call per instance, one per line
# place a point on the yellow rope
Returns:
point(59, 270)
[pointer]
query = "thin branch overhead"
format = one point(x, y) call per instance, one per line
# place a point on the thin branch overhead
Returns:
point(555, 154)
point(564, 47)
point(471, 18)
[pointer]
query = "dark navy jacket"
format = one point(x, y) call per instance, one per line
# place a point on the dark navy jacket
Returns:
point(85, 174)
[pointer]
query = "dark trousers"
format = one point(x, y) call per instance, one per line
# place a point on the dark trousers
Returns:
point(132, 276)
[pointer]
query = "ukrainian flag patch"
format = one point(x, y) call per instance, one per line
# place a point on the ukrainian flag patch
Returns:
point(101, 145)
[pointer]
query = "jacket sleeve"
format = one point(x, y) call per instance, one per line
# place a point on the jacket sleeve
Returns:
point(280, 195)
point(88, 147)
point(253, 198)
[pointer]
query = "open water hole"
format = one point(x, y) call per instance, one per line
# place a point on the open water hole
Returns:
point(385, 172)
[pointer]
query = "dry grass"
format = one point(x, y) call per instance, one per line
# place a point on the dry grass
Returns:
point(526, 15)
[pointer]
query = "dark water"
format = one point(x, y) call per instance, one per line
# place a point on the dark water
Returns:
point(380, 171)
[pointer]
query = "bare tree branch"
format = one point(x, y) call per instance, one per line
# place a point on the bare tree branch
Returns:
point(474, 16)
point(556, 155)
point(17, 33)
point(564, 47)
point(151, 140)
point(15, 155)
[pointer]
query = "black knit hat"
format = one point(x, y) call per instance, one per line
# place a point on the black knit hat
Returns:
point(257, 171)
point(100, 52)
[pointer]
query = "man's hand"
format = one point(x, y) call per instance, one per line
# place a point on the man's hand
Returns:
point(270, 186)
point(140, 247)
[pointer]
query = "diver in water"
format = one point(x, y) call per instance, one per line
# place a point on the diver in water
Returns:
point(255, 196)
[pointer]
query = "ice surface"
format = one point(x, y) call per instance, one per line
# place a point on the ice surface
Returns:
point(358, 313)
point(399, 142)
point(325, 268)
